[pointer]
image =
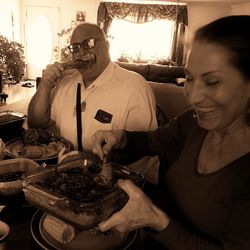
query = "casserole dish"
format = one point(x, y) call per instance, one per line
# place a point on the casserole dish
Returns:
point(52, 190)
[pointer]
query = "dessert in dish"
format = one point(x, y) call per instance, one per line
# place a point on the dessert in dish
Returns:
point(81, 184)
point(82, 192)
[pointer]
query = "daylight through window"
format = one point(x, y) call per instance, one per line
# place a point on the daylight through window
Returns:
point(141, 42)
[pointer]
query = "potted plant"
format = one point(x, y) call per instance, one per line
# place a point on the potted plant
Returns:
point(12, 60)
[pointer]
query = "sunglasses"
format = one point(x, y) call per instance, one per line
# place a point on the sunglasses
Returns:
point(85, 44)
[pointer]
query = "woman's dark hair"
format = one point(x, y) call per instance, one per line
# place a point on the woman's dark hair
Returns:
point(233, 33)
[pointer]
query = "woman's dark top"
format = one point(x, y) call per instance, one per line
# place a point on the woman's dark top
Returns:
point(207, 211)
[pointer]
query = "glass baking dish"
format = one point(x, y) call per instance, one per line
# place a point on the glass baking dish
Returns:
point(84, 214)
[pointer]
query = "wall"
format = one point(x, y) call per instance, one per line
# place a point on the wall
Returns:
point(241, 9)
point(202, 13)
point(68, 10)
point(7, 9)
point(199, 13)
point(62, 16)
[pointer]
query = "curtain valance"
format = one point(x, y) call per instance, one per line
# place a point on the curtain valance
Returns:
point(141, 13)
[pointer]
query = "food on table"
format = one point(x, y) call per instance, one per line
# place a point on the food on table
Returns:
point(8, 117)
point(32, 151)
point(38, 143)
point(59, 230)
point(12, 176)
point(36, 136)
point(82, 184)
point(82, 192)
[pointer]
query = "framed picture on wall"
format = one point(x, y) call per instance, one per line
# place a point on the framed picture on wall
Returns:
point(80, 16)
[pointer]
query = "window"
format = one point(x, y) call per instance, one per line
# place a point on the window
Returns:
point(6, 27)
point(145, 32)
point(141, 42)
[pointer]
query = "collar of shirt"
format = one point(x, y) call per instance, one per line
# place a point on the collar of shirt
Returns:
point(100, 81)
point(103, 79)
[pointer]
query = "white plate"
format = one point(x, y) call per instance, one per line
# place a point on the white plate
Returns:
point(82, 241)
point(14, 148)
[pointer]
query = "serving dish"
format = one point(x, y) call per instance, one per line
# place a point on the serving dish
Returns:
point(11, 172)
point(15, 148)
point(45, 241)
point(11, 122)
point(87, 205)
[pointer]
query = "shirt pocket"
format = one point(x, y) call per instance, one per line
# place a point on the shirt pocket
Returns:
point(98, 125)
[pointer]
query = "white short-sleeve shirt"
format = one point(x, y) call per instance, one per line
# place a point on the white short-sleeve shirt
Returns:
point(123, 94)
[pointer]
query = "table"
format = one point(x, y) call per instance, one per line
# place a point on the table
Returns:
point(17, 214)
point(19, 106)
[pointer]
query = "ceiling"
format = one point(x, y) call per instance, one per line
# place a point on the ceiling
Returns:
point(184, 1)
point(218, 1)
point(203, 1)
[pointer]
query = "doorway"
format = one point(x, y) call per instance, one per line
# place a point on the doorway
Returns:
point(42, 26)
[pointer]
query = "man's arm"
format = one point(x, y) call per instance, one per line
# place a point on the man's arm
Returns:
point(39, 107)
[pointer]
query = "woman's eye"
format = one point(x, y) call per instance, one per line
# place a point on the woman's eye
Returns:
point(211, 81)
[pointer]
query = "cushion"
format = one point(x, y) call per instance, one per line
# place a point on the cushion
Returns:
point(170, 98)
point(165, 74)
point(142, 69)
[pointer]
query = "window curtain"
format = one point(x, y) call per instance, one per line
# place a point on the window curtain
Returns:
point(140, 13)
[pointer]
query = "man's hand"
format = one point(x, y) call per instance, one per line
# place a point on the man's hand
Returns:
point(52, 74)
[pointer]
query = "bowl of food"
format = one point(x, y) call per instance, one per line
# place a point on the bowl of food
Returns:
point(11, 172)
point(82, 192)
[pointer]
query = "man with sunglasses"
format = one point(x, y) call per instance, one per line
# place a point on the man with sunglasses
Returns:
point(110, 98)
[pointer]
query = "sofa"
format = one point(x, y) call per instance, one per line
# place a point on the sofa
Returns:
point(157, 72)
point(165, 82)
